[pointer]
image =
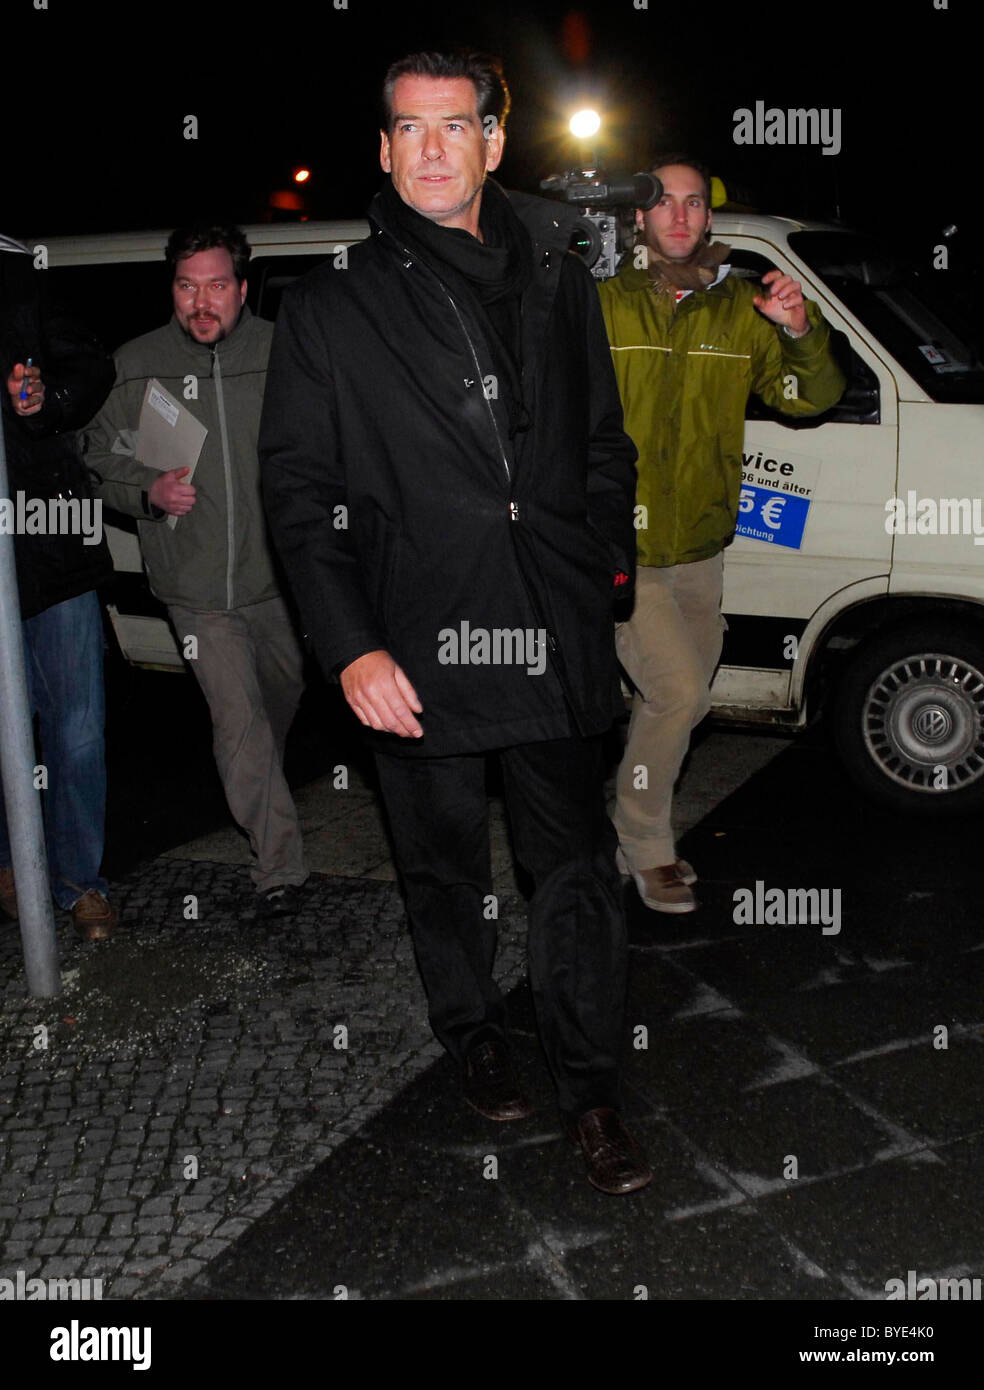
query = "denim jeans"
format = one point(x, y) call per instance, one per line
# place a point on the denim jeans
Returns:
point(63, 653)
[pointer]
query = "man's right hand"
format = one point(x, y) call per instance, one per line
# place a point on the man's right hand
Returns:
point(381, 696)
point(25, 381)
point(170, 494)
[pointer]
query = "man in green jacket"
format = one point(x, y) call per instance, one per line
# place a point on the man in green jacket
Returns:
point(213, 567)
point(690, 343)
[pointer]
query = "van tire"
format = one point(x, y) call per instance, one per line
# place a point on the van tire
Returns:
point(908, 719)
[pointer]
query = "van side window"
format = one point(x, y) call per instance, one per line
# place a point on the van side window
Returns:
point(859, 405)
point(918, 315)
point(269, 276)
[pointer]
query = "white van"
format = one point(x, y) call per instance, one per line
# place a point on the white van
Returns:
point(856, 583)
point(855, 587)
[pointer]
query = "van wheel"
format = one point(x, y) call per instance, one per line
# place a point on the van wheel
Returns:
point(908, 719)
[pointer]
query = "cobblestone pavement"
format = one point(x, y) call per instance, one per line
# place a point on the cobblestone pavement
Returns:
point(215, 1045)
point(194, 1070)
point(218, 1109)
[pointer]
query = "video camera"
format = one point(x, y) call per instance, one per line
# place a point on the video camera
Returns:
point(605, 229)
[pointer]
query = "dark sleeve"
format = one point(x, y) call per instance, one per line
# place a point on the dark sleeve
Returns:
point(305, 485)
point(76, 370)
point(611, 453)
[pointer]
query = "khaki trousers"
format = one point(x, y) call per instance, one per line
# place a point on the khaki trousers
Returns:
point(669, 649)
point(249, 665)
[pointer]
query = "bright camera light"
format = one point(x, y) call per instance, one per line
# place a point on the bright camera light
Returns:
point(585, 124)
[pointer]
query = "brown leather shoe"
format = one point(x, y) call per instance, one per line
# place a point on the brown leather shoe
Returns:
point(8, 893)
point(615, 1162)
point(490, 1084)
point(94, 917)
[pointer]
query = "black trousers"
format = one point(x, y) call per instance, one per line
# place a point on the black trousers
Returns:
point(438, 814)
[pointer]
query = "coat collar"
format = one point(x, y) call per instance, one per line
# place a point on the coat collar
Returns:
point(633, 278)
point(229, 348)
point(549, 223)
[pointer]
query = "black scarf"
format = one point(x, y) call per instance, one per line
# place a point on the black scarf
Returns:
point(492, 273)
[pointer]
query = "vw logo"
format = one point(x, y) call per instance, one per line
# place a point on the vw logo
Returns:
point(932, 723)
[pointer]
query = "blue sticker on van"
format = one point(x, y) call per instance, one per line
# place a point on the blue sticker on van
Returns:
point(774, 517)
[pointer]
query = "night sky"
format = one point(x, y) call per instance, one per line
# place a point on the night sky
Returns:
point(99, 91)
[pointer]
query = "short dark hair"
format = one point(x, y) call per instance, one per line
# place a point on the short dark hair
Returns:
point(205, 236)
point(481, 69)
point(661, 160)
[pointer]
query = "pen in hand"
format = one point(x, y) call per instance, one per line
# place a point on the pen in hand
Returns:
point(24, 389)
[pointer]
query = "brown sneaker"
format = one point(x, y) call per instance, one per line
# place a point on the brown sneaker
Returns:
point(8, 893)
point(665, 888)
point(685, 871)
point(94, 917)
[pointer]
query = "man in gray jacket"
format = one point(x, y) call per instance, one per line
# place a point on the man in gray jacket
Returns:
point(214, 567)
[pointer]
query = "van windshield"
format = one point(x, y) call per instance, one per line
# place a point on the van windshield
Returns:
point(903, 308)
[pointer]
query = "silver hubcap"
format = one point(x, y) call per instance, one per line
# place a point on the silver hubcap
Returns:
point(924, 722)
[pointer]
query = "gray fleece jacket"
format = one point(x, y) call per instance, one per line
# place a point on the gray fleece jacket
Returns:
point(218, 556)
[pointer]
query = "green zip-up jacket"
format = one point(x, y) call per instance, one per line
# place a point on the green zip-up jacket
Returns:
point(218, 556)
point(685, 372)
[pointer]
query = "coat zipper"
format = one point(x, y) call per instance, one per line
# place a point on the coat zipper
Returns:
point(513, 506)
point(412, 259)
point(513, 510)
point(227, 468)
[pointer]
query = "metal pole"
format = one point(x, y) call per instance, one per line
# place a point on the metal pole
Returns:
point(22, 802)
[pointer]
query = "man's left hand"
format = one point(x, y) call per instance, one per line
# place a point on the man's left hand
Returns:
point(26, 380)
point(784, 302)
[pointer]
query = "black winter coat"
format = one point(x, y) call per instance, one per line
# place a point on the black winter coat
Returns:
point(402, 511)
point(43, 459)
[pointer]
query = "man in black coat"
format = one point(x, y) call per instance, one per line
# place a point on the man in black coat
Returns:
point(451, 491)
point(55, 377)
